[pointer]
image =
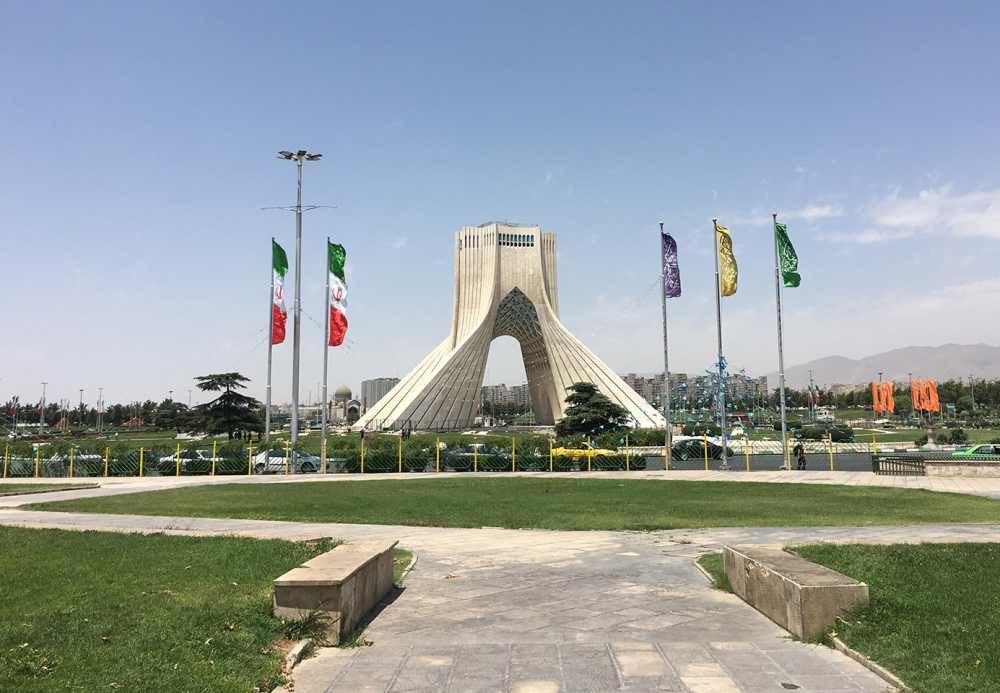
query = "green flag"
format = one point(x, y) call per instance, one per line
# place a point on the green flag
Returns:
point(789, 260)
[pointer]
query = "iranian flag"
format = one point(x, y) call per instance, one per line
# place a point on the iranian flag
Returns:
point(338, 294)
point(279, 316)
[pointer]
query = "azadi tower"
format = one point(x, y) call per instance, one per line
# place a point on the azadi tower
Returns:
point(505, 284)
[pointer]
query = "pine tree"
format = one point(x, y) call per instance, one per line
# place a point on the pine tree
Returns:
point(590, 412)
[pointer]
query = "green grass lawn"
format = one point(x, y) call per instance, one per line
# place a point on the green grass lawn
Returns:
point(85, 610)
point(550, 503)
point(933, 618)
point(14, 489)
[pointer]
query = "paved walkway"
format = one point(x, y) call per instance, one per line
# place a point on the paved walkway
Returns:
point(533, 611)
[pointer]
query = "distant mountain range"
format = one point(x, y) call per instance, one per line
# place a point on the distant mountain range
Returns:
point(938, 363)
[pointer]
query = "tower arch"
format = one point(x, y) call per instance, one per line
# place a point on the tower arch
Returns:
point(505, 285)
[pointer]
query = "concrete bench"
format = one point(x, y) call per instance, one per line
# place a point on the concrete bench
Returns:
point(340, 586)
point(801, 597)
point(962, 466)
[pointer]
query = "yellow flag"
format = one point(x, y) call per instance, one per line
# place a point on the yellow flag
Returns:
point(727, 263)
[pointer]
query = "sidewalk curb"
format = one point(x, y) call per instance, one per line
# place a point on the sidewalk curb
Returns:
point(408, 568)
point(864, 661)
point(292, 660)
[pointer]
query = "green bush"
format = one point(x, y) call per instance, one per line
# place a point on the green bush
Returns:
point(416, 461)
point(608, 463)
point(530, 462)
point(380, 463)
point(637, 463)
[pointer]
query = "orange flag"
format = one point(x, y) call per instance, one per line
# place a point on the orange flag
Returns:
point(935, 404)
point(925, 398)
point(890, 401)
point(876, 401)
point(915, 394)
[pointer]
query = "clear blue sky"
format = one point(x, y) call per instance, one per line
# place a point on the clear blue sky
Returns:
point(139, 145)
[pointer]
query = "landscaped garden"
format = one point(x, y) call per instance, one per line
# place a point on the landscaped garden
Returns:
point(106, 611)
point(97, 611)
point(933, 618)
point(552, 503)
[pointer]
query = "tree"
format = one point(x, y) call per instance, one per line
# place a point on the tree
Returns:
point(964, 405)
point(904, 405)
point(590, 412)
point(231, 411)
point(174, 415)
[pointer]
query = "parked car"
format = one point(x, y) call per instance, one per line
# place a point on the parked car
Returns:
point(476, 450)
point(78, 456)
point(980, 450)
point(190, 461)
point(584, 452)
point(273, 462)
point(694, 449)
point(84, 463)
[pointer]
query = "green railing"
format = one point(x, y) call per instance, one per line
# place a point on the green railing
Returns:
point(898, 465)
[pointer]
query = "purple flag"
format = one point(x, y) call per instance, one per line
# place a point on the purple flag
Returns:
point(671, 272)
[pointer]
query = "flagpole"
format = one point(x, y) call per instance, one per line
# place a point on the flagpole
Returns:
point(781, 356)
point(666, 361)
point(326, 352)
point(270, 347)
point(718, 322)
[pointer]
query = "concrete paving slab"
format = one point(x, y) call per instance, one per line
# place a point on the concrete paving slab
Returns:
point(534, 610)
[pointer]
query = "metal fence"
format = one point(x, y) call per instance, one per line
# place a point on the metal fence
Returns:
point(352, 459)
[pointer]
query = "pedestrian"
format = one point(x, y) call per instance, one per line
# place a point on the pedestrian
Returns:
point(800, 455)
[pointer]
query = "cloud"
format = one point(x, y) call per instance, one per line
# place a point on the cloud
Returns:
point(807, 213)
point(814, 212)
point(399, 243)
point(930, 211)
point(867, 236)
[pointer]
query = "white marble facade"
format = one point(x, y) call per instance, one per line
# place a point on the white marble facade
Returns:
point(505, 285)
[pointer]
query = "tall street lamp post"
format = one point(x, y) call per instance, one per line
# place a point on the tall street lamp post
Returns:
point(298, 157)
point(41, 411)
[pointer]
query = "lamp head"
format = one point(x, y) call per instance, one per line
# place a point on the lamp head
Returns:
point(285, 155)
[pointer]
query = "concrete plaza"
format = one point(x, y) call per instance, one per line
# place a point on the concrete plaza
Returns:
point(547, 611)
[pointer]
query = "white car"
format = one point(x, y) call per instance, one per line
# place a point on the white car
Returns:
point(273, 462)
point(190, 460)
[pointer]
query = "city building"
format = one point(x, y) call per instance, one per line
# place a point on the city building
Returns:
point(344, 407)
point(374, 390)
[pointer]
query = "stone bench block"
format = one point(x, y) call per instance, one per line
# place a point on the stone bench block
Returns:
point(962, 467)
point(801, 597)
point(341, 586)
